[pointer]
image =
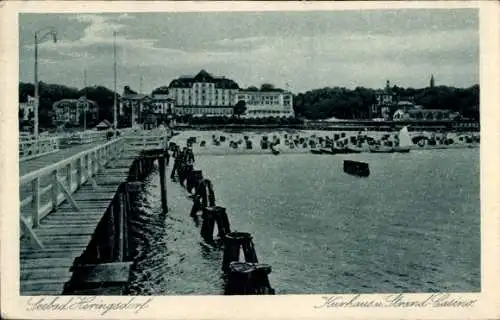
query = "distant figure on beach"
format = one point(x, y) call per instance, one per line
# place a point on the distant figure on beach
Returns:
point(203, 197)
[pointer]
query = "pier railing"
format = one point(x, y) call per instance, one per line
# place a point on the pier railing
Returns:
point(84, 137)
point(41, 191)
point(142, 142)
point(31, 148)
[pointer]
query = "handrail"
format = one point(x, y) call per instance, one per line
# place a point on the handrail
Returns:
point(31, 140)
point(43, 171)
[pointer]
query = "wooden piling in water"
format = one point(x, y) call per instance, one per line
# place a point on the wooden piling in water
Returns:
point(207, 227)
point(211, 216)
point(163, 185)
point(247, 278)
point(232, 244)
point(193, 180)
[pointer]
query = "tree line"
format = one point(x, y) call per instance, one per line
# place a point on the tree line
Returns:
point(51, 93)
point(345, 103)
point(321, 103)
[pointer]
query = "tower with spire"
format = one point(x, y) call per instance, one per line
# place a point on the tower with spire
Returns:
point(431, 84)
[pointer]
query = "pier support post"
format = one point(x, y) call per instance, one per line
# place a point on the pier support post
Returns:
point(207, 227)
point(222, 220)
point(247, 278)
point(184, 174)
point(211, 216)
point(193, 180)
point(232, 243)
point(163, 185)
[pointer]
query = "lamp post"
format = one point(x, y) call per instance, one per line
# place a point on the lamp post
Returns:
point(40, 35)
point(115, 120)
point(85, 101)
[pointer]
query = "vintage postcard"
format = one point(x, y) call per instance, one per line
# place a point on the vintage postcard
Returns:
point(247, 160)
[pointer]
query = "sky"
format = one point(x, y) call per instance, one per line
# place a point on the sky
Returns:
point(298, 51)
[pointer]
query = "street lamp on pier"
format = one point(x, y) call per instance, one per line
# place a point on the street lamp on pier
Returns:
point(40, 35)
point(115, 116)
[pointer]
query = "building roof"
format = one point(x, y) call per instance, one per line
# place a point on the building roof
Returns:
point(73, 102)
point(203, 76)
point(405, 103)
point(427, 110)
point(162, 97)
point(276, 90)
point(104, 124)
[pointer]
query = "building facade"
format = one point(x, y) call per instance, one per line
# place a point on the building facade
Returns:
point(27, 108)
point(203, 94)
point(162, 104)
point(208, 95)
point(139, 108)
point(388, 101)
point(72, 111)
point(423, 115)
point(262, 104)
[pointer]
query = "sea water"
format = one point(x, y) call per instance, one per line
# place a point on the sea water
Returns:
point(413, 225)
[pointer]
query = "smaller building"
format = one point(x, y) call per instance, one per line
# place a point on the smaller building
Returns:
point(388, 101)
point(72, 111)
point(133, 105)
point(422, 115)
point(27, 108)
point(104, 125)
point(162, 104)
point(262, 104)
point(140, 108)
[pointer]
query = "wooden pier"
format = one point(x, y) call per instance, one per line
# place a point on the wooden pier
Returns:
point(63, 197)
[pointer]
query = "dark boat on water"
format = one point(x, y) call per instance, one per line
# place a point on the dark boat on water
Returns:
point(356, 168)
point(352, 150)
point(327, 151)
point(379, 149)
point(274, 151)
point(316, 151)
point(402, 149)
point(337, 150)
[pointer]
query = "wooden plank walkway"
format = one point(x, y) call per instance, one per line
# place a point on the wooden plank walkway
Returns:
point(65, 233)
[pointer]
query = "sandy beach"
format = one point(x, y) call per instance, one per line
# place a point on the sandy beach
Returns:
point(219, 142)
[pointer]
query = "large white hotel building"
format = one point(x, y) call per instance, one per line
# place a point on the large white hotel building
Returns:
point(205, 94)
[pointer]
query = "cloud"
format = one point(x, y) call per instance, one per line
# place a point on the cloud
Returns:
point(304, 49)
